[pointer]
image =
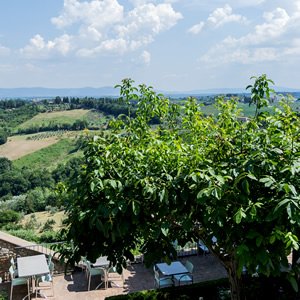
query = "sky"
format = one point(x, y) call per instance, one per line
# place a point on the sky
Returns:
point(172, 45)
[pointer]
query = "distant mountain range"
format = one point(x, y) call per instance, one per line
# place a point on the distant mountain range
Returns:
point(40, 92)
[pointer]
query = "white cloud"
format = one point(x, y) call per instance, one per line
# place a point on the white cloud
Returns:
point(149, 19)
point(39, 48)
point(4, 51)
point(103, 26)
point(197, 28)
point(246, 3)
point(218, 18)
point(96, 13)
point(146, 57)
point(269, 41)
point(224, 15)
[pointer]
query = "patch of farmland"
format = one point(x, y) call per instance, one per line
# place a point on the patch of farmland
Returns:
point(55, 117)
point(18, 146)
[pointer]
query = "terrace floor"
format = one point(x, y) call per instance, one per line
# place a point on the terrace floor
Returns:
point(137, 278)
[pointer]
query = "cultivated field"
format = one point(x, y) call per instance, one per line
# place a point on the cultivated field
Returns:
point(64, 117)
point(18, 146)
point(55, 117)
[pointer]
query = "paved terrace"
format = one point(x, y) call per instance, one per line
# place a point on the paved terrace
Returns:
point(137, 278)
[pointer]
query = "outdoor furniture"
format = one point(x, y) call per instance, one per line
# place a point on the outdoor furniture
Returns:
point(15, 281)
point(94, 272)
point(31, 266)
point(83, 265)
point(186, 277)
point(101, 262)
point(174, 268)
point(202, 248)
point(14, 266)
point(45, 279)
point(161, 282)
point(113, 276)
point(171, 270)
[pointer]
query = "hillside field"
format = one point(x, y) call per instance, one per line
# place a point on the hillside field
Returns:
point(42, 217)
point(64, 117)
point(20, 145)
point(49, 157)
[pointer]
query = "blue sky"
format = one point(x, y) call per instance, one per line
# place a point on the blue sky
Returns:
point(176, 45)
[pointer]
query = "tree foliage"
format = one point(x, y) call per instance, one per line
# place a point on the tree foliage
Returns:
point(190, 177)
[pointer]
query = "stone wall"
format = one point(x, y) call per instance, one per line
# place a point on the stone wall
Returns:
point(11, 246)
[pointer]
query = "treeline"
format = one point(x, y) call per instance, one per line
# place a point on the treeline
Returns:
point(15, 112)
point(29, 190)
point(77, 125)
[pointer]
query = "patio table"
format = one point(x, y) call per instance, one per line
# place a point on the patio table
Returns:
point(31, 266)
point(101, 262)
point(175, 268)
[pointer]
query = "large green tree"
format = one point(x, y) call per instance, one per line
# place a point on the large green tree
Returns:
point(190, 177)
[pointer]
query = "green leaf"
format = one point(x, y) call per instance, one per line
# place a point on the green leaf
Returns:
point(259, 240)
point(239, 215)
point(294, 283)
point(165, 231)
point(113, 184)
point(135, 208)
point(92, 186)
point(245, 185)
point(194, 177)
point(220, 179)
point(253, 211)
point(282, 203)
point(268, 181)
point(251, 176)
point(272, 239)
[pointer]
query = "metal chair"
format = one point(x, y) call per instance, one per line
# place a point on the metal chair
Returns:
point(186, 278)
point(15, 281)
point(96, 271)
point(45, 279)
point(162, 282)
point(113, 275)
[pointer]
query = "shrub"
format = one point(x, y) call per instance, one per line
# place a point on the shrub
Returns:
point(12, 226)
point(208, 290)
point(48, 225)
point(16, 203)
point(3, 295)
point(28, 235)
point(48, 237)
point(51, 209)
point(9, 216)
point(3, 137)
